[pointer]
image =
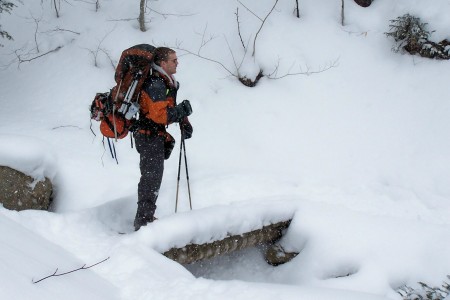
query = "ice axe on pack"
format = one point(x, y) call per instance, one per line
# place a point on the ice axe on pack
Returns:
point(129, 108)
point(114, 110)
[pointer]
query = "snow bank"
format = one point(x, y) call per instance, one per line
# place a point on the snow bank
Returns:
point(29, 155)
point(27, 257)
point(360, 153)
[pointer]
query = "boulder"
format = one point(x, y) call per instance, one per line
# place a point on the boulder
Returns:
point(364, 3)
point(19, 191)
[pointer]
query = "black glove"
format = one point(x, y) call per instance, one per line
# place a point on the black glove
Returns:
point(169, 143)
point(186, 129)
point(183, 110)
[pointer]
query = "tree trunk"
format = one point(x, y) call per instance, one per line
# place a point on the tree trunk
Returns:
point(195, 252)
point(56, 5)
point(142, 16)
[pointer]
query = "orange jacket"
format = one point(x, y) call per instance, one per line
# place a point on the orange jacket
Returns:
point(158, 99)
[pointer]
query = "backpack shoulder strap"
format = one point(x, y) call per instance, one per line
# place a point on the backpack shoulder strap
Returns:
point(155, 88)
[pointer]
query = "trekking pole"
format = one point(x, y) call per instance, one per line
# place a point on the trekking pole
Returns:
point(187, 173)
point(179, 169)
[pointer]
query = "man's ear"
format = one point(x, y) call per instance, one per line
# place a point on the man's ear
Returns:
point(163, 65)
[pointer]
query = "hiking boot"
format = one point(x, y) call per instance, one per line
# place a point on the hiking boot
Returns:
point(143, 222)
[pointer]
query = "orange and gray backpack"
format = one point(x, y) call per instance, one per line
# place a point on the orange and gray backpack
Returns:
point(116, 110)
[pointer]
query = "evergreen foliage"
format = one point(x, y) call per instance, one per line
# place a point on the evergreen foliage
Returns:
point(425, 292)
point(410, 34)
point(5, 6)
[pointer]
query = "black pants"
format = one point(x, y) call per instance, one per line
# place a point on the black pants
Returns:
point(151, 150)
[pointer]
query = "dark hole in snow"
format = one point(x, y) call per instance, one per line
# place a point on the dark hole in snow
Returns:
point(246, 265)
point(342, 271)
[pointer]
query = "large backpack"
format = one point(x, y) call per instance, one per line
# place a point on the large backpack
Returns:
point(116, 109)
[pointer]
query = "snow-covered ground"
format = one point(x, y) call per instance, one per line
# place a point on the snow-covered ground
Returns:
point(358, 155)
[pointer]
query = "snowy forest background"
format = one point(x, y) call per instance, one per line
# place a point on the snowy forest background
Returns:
point(345, 135)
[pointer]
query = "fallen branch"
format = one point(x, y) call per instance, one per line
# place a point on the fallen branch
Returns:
point(65, 126)
point(165, 15)
point(123, 20)
point(65, 273)
point(21, 60)
point(62, 30)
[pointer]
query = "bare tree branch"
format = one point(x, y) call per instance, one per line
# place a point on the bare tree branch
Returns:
point(66, 126)
point(65, 273)
point(239, 27)
point(250, 10)
point(308, 72)
point(99, 49)
point(57, 7)
point(232, 55)
point(109, 57)
point(22, 60)
point(262, 24)
point(144, 8)
point(207, 58)
point(36, 31)
point(205, 41)
point(95, 2)
point(57, 29)
point(237, 65)
point(123, 20)
point(165, 15)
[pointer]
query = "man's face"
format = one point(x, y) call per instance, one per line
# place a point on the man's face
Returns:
point(170, 66)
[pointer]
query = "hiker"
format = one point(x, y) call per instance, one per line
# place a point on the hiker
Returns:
point(158, 109)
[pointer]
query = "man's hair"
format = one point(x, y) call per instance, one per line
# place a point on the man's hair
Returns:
point(162, 54)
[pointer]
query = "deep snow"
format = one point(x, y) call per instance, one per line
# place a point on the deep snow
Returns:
point(357, 154)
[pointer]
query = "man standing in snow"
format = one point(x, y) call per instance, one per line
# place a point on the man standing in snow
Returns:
point(158, 109)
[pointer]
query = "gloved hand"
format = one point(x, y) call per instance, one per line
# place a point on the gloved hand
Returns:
point(186, 128)
point(169, 143)
point(183, 110)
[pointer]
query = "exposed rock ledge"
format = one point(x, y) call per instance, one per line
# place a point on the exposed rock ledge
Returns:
point(19, 191)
